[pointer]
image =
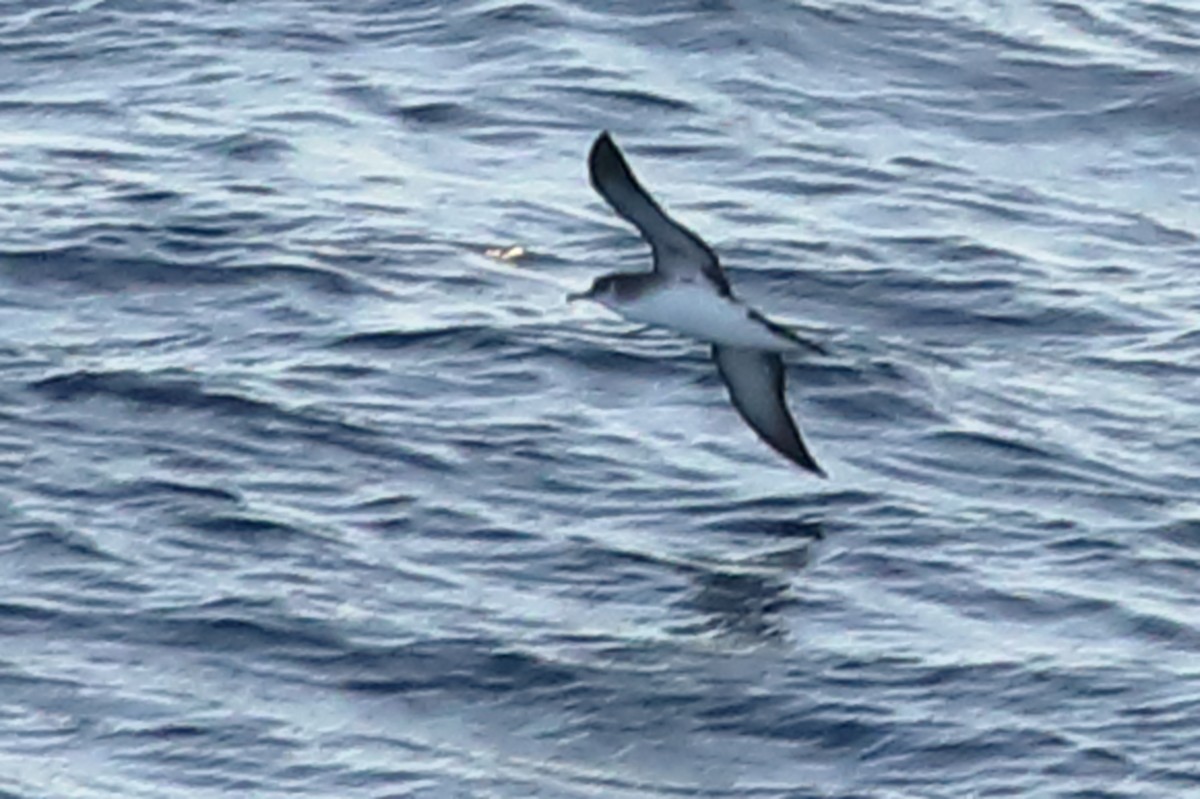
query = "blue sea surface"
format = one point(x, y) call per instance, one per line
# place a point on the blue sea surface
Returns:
point(313, 485)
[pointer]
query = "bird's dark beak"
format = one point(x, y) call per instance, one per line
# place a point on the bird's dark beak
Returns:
point(579, 295)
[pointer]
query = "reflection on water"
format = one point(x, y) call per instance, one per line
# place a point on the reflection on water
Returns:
point(744, 599)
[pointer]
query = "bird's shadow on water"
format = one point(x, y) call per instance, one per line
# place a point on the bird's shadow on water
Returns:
point(745, 600)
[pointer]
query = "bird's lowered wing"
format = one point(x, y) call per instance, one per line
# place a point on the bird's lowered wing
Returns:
point(755, 379)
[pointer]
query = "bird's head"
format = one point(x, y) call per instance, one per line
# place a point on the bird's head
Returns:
point(603, 291)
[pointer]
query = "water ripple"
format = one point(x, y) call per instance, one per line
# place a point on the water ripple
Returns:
point(292, 466)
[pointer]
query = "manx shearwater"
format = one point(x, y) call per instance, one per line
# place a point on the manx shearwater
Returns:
point(687, 292)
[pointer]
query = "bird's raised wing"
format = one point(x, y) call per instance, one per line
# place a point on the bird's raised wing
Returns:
point(755, 380)
point(678, 252)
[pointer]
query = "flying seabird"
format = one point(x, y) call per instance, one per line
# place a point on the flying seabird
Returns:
point(687, 292)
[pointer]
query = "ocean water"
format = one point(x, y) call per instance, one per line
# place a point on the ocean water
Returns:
point(310, 486)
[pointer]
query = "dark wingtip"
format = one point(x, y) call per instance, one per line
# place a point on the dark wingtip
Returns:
point(798, 454)
point(605, 159)
point(808, 463)
point(606, 162)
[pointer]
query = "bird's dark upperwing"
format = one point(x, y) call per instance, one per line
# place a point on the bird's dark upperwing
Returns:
point(678, 252)
point(755, 380)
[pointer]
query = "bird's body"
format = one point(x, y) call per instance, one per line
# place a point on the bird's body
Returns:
point(688, 293)
point(693, 309)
